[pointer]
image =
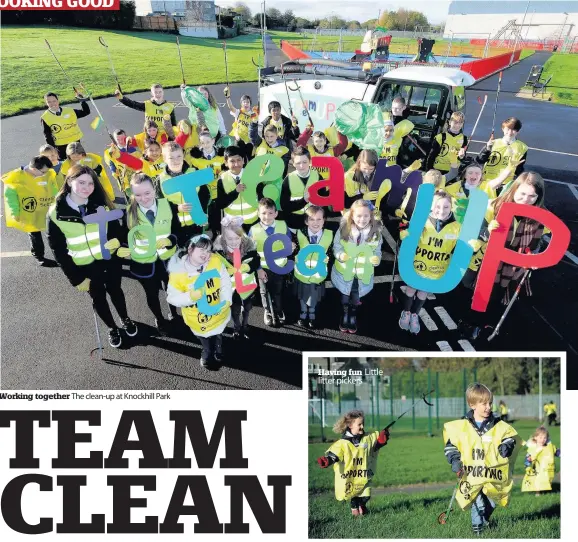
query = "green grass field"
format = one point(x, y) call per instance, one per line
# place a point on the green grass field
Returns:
point(414, 515)
point(140, 59)
point(413, 458)
point(563, 68)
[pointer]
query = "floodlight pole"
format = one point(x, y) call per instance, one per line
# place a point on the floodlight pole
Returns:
point(519, 34)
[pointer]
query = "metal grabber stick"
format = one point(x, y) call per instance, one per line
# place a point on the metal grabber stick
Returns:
point(181, 61)
point(226, 63)
point(298, 89)
point(103, 43)
point(423, 398)
point(98, 341)
point(60, 66)
point(393, 272)
point(496, 104)
point(443, 517)
point(483, 104)
point(514, 297)
point(286, 90)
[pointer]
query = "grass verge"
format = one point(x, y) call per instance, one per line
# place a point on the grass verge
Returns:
point(140, 60)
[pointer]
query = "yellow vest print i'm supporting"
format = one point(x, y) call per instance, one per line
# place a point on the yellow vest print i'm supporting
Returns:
point(434, 249)
point(485, 469)
point(355, 468)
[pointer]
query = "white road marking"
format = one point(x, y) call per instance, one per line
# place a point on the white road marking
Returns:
point(534, 149)
point(444, 346)
point(568, 254)
point(389, 239)
point(466, 345)
point(15, 254)
point(427, 320)
point(445, 318)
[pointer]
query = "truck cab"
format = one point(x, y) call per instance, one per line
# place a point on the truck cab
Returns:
point(431, 95)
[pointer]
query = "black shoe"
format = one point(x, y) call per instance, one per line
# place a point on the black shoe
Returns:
point(218, 356)
point(236, 335)
point(280, 317)
point(43, 262)
point(129, 327)
point(312, 324)
point(161, 324)
point(114, 337)
point(245, 333)
point(344, 324)
point(302, 322)
point(352, 327)
point(204, 362)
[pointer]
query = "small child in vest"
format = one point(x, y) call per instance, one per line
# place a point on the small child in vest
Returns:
point(174, 158)
point(453, 139)
point(294, 197)
point(270, 143)
point(482, 451)
point(310, 290)
point(270, 284)
point(206, 155)
point(436, 244)
point(539, 462)
point(353, 277)
point(149, 134)
point(234, 237)
point(321, 146)
point(150, 269)
point(355, 452)
point(184, 291)
point(497, 154)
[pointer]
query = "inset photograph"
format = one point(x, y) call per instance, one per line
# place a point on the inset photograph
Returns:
point(434, 447)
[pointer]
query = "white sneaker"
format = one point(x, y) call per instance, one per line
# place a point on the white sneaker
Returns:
point(404, 320)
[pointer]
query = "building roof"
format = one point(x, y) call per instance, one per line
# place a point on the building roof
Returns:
point(445, 76)
point(493, 7)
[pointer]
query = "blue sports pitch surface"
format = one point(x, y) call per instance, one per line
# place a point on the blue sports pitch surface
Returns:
point(452, 60)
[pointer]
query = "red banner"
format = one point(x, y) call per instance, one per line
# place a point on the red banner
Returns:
point(59, 5)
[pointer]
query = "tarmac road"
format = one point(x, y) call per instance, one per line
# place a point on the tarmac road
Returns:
point(48, 328)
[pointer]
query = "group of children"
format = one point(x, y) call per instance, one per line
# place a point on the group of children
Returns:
point(481, 449)
point(143, 165)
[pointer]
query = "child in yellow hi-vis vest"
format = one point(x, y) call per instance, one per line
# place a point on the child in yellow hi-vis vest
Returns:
point(482, 450)
point(539, 462)
point(354, 458)
point(432, 256)
point(183, 290)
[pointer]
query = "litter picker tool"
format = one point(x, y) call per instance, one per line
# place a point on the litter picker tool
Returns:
point(181, 61)
point(271, 311)
point(526, 275)
point(483, 104)
point(298, 89)
point(393, 272)
point(443, 517)
point(98, 341)
point(103, 43)
point(423, 397)
point(496, 104)
point(286, 89)
point(226, 63)
point(60, 66)
point(416, 144)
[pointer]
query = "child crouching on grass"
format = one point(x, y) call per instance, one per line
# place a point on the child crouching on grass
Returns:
point(539, 462)
point(482, 451)
point(354, 458)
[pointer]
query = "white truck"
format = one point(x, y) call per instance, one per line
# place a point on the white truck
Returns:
point(431, 94)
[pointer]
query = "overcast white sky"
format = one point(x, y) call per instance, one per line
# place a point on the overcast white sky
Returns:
point(435, 10)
